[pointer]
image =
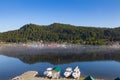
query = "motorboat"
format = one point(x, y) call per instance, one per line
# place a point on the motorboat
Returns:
point(76, 73)
point(56, 72)
point(68, 72)
point(48, 72)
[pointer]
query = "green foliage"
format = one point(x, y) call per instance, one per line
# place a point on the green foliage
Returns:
point(62, 33)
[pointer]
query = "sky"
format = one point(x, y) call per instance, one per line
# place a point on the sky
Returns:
point(97, 13)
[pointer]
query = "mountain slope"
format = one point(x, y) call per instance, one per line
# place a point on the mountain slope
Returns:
point(57, 32)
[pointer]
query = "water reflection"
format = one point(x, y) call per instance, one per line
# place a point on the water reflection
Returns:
point(11, 67)
point(98, 61)
point(62, 55)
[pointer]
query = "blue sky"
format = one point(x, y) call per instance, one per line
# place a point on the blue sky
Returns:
point(98, 13)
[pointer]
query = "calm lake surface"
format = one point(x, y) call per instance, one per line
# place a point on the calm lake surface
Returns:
point(100, 65)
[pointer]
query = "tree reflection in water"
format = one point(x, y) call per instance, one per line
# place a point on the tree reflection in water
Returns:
point(62, 55)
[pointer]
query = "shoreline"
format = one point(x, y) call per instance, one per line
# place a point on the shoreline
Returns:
point(32, 75)
point(52, 45)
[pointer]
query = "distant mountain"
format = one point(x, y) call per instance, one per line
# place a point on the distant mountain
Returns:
point(58, 32)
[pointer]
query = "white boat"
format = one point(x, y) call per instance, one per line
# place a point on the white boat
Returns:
point(68, 72)
point(48, 72)
point(76, 73)
point(56, 72)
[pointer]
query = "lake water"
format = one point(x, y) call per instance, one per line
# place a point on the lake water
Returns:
point(14, 63)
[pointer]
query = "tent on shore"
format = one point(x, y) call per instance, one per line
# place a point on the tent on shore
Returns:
point(117, 78)
point(89, 78)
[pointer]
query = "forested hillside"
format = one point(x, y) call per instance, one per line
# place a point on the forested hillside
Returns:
point(62, 33)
